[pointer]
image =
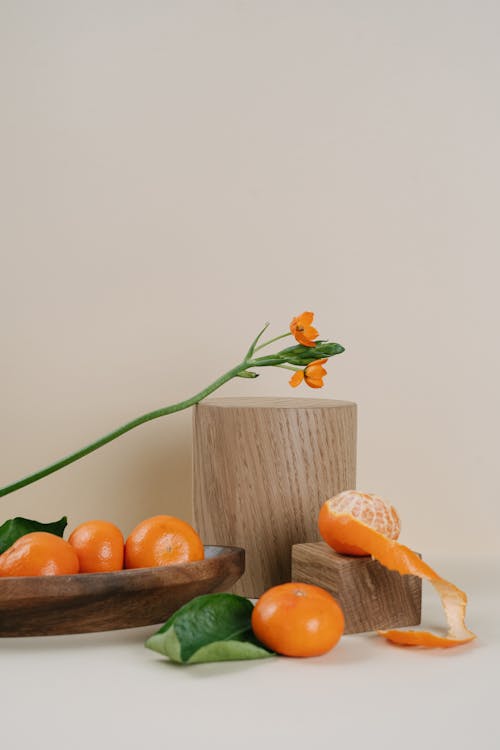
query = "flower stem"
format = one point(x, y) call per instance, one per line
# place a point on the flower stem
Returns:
point(271, 341)
point(255, 341)
point(125, 428)
point(289, 367)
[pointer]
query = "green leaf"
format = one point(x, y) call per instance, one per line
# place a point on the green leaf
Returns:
point(15, 528)
point(248, 374)
point(229, 651)
point(213, 627)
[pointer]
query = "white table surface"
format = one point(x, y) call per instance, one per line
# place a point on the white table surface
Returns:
point(107, 691)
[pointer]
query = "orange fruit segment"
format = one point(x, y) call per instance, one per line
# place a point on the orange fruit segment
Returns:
point(351, 531)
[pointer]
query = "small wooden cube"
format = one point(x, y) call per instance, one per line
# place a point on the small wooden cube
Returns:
point(371, 597)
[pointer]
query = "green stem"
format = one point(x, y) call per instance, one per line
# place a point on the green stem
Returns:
point(125, 428)
point(289, 367)
point(271, 341)
point(255, 341)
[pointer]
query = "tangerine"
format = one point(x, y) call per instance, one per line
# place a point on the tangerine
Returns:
point(395, 556)
point(298, 619)
point(39, 554)
point(99, 546)
point(162, 540)
point(369, 509)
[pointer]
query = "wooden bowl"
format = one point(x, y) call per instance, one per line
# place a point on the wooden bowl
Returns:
point(89, 602)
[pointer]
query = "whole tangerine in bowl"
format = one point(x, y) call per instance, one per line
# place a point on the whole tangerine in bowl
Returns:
point(369, 509)
point(162, 540)
point(39, 554)
point(99, 546)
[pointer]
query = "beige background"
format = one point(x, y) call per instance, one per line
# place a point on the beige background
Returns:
point(176, 173)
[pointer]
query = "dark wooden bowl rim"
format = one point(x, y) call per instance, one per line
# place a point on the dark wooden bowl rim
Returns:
point(20, 587)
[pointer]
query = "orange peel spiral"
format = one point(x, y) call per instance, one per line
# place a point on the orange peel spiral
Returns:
point(351, 532)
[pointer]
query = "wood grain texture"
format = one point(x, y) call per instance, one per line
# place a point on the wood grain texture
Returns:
point(89, 602)
point(371, 597)
point(262, 467)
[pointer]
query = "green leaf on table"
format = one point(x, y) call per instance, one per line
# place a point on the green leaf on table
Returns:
point(212, 627)
point(15, 528)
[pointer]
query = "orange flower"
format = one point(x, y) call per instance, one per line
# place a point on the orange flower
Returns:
point(302, 329)
point(313, 374)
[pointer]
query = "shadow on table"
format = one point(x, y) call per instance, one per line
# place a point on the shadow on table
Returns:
point(348, 652)
point(103, 640)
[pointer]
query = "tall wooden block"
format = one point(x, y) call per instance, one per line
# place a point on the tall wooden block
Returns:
point(371, 597)
point(262, 469)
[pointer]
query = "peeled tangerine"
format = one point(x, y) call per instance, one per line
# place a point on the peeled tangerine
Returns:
point(356, 523)
point(370, 509)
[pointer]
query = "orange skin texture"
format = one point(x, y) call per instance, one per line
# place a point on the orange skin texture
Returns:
point(330, 531)
point(302, 330)
point(39, 554)
point(349, 531)
point(99, 546)
point(162, 540)
point(313, 375)
point(297, 619)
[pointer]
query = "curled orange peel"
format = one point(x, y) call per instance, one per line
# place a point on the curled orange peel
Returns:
point(395, 556)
